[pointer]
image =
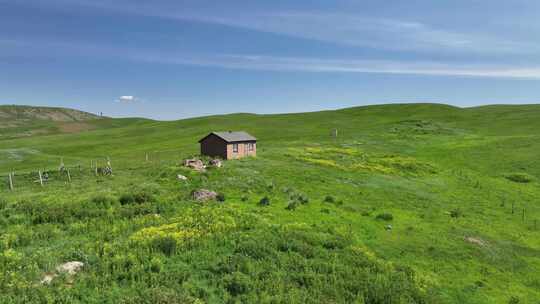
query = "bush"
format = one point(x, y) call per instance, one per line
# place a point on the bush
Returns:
point(167, 245)
point(292, 205)
point(137, 197)
point(143, 196)
point(265, 201)
point(329, 199)
point(513, 300)
point(101, 200)
point(126, 199)
point(385, 216)
point(456, 213)
point(519, 177)
point(3, 203)
point(237, 283)
point(303, 199)
point(220, 197)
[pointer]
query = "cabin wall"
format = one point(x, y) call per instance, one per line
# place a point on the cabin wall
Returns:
point(243, 150)
point(214, 146)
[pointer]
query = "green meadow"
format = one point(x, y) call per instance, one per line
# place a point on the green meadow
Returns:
point(410, 203)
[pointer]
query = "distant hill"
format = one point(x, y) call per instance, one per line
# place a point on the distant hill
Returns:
point(25, 113)
point(22, 121)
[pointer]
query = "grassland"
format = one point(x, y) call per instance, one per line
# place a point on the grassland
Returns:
point(414, 203)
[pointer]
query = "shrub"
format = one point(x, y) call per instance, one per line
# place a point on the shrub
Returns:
point(329, 199)
point(265, 201)
point(303, 199)
point(101, 200)
point(220, 197)
point(138, 197)
point(126, 199)
point(167, 245)
point(385, 216)
point(292, 205)
point(365, 213)
point(3, 203)
point(455, 213)
point(143, 196)
point(237, 283)
point(519, 177)
point(513, 300)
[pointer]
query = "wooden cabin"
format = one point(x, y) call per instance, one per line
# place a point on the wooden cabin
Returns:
point(228, 145)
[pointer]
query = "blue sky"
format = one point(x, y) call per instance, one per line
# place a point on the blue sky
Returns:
point(170, 59)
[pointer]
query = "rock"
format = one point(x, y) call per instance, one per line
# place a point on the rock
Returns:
point(476, 241)
point(48, 278)
point(195, 164)
point(70, 268)
point(204, 195)
point(388, 227)
point(216, 163)
point(181, 177)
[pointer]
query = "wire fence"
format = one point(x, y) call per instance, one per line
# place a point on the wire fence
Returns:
point(77, 170)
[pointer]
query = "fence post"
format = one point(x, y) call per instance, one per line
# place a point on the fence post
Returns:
point(10, 182)
point(146, 157)
point(40, 178)
point(69, 175)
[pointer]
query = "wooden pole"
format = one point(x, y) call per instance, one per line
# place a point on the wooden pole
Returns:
point(40, 178)
point(96, 168)
point(69, 175)
point(11, 181)
point(146, 157)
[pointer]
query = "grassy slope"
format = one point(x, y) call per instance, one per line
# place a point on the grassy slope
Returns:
point(27, 121)
point(450, 160)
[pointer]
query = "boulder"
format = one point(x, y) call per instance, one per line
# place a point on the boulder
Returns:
point(216, 163)
point(195, 164)
point(203, 195)
point(70, 268)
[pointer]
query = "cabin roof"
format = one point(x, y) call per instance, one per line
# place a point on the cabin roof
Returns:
point(230, 136)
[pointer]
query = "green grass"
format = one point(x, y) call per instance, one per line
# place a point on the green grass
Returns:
point(459, 188)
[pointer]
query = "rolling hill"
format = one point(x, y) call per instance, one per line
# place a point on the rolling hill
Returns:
point(28, 121)
point(411, 203)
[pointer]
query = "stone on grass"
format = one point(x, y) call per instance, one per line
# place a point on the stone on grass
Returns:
point(388, 227)
point(70, 268)
point(475, 240)
point(216, 163)
point(195, 164)
point(203, 195)
point(181, 177)
point(48, 278)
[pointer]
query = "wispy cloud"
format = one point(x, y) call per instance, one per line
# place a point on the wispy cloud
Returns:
point(264, 62)
point(339, 28)
point(319, 65)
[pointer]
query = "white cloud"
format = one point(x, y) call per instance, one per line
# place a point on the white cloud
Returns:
point(127, 99)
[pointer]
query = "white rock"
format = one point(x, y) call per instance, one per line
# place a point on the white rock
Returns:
point(70, 268)
point(181, 177)
point(47, 279)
